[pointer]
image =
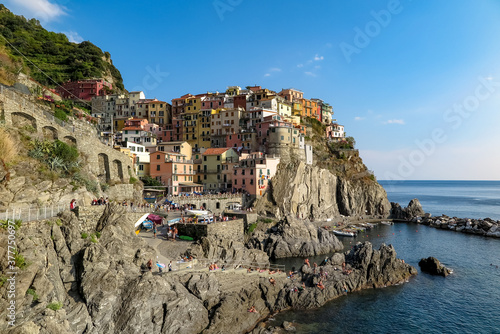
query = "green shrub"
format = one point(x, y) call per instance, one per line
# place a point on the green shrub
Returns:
point(5, 223)
point(60, 114)
point(20, 260)
point(93, 238)
point(132, 180)
point(104, 186)
point(3, 279)
point(98, 234)
point(54, 306)
point(33, 293)
point(267, 220)
point(252, 227)
point(84, 235)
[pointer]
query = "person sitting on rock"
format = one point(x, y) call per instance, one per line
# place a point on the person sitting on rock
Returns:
point(211, 267)
point(320, 285)
point(306, 262)
point(252, 310)
point(272, 281)
point(150, 265)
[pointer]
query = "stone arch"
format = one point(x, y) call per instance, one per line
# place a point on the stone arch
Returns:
point(49, 132)
point(117, 167)
point(103, 175)
point(21, 119)
point(70, 140)
point(204, 206)
point(217, 205)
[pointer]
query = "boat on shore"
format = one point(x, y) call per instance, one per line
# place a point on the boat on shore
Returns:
point(344, 233)
point(386, 222)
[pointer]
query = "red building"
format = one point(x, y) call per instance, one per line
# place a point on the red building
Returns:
point(84, 89)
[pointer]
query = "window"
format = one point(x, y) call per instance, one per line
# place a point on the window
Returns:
point(242, 172)
point(243, 181)
point(235, 182)
point(141, 167)
point(282, 138)
point(205, 177)
point(218, 157)
point(251, 171)
point(157, 167)
point(205, 158)
point(251, 181)
point(158, 156)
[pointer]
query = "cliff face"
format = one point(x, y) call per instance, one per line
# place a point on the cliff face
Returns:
point(103, 286)
point(310, 192)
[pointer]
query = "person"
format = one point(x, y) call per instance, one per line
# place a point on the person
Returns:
point(154, 230)
point(252, 310)
point(150, 265)
point(160, 268)
point(170, 266)
point(272, 281)
point(74, 208)
point(320, 285)
point(306, 262)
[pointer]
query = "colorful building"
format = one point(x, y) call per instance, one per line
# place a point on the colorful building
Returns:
point(214, 162)
point(174, 171)
point(84, 89)
point(335, 132)
point(252, 174)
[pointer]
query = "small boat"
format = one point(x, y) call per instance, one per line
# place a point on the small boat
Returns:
point(198, 212)
point(386, 222)
point(344, 233)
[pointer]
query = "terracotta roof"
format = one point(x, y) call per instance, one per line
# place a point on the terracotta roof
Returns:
point(216, 151)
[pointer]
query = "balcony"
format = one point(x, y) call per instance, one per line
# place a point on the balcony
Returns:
point(189, 172)
point(211, 171)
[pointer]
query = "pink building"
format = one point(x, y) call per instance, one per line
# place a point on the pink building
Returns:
point(84, 89)
point(252, 174)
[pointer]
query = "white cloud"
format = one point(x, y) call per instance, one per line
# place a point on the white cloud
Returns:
point(43, 10)
point(267, 75)
point(311, 74)
point(489, 77)
point(73, 36)
point(275, 69)
point(395, 121)
point(317, 67)
point(318, 57)
point(300, 65)
point(358, 118)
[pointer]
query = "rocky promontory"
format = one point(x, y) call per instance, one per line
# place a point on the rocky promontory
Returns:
point(414, 213)
point(295, 237)
point(310, 192)
point(72, 282)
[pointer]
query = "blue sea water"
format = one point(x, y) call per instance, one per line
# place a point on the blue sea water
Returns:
point(468, 301)
point(464, 199)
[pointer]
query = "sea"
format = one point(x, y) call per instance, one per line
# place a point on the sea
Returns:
point(468, 301)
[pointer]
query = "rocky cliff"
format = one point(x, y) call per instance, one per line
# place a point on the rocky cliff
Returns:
point(311, 192)
point(295, 237)
point(74, 283)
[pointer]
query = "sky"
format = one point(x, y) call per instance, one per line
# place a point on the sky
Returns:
point(416, 83)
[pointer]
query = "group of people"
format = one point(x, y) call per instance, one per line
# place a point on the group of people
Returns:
point(213, 266)
point(100, 201)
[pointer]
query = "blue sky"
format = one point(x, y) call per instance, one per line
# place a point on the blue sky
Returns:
point(417, 83)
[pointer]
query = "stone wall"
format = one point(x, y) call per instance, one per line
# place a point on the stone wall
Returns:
point(229, 230)
point(19, 110)
point(214, 204)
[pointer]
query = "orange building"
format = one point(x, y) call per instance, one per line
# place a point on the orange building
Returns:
point(175, 171)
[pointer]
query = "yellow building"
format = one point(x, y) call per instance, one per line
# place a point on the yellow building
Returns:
point(297, 109)
point(214, 162)
point(159, 113)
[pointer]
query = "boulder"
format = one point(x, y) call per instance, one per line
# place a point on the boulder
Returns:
point(432, 266)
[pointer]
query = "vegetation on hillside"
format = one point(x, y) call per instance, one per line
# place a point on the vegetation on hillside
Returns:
point(52, 52)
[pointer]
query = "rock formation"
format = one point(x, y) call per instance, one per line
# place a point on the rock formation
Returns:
point(306, 191)
point(486, 227)
point(432, 266)
point(295, 237)
point(103, 286)
point(414, 209)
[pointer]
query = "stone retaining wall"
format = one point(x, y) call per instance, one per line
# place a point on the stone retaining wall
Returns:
point(20, 110)
point(229, 230)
